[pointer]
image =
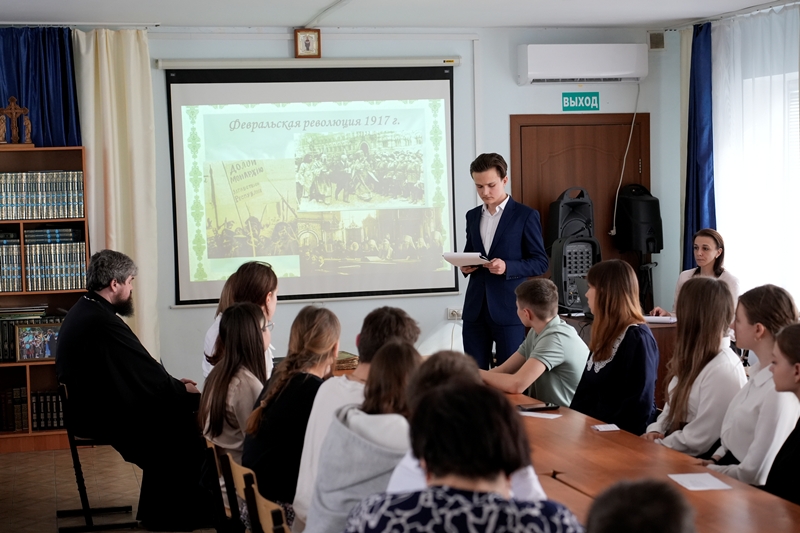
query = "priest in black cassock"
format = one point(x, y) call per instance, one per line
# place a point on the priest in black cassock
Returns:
point(119, 393)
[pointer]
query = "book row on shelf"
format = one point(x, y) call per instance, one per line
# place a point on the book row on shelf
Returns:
point(41, 195)
point(55, 267)
point(48, 267)
point(38, 343)
point(44, 235)
point(14, 413)
point(10, 268)
point(47, 412)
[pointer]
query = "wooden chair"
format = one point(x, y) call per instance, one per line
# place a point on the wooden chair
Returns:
point(265, 516)
point(86, 511)
point(227, 518)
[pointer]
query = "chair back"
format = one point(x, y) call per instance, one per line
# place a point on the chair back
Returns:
point(270, 515)
point(260, 509)
point(239, 474)
point(231, 490)
point(86, 511)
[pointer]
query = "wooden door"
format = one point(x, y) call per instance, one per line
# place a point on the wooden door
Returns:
point(551, 153)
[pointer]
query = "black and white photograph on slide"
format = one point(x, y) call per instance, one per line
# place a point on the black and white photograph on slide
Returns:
point(371, 244)
point(360, 170)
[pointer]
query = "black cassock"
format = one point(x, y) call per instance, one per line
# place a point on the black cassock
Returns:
point(119, 393)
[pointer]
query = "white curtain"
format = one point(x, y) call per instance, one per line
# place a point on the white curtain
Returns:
point(115, 97)
point(755, 64)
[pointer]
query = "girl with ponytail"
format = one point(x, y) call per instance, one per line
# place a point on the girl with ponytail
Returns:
point(277, 426)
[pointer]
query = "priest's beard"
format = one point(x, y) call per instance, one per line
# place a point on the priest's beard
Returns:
point(124, 307)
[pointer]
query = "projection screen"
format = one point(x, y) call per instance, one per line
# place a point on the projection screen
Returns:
point(341, 179)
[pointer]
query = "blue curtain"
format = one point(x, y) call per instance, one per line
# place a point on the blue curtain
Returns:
point(700, 209)
point(36, 67)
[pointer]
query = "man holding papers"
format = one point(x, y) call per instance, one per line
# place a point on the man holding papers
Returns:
point(509, 234)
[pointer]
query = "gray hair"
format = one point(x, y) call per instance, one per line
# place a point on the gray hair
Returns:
point(106, 266)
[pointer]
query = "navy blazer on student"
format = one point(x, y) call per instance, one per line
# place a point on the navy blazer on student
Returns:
point(518, 242)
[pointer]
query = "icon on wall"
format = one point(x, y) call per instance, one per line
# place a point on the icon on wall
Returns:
point(307, 43)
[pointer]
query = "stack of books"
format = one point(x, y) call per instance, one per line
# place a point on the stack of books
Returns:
point(41, 195)
point(14, 412)
point(55, 259)
point(10, 263)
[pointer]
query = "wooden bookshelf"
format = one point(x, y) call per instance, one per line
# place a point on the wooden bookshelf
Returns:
point(38, 375)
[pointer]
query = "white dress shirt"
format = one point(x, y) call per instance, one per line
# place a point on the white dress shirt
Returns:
point(408, 476)
point(758, 421)
point(709, 398)
point(489, 223)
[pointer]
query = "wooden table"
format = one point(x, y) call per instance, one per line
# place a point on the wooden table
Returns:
point(589, 461)
point(576, 501)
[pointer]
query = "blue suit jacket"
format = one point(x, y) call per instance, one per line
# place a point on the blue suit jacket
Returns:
point(518, 242)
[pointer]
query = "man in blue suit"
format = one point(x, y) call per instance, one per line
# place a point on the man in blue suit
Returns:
point(510, 234)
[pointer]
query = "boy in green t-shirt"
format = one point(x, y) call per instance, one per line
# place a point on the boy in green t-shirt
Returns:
point(551, 359)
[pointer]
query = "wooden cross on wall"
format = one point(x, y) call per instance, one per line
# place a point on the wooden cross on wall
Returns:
point(13, 112)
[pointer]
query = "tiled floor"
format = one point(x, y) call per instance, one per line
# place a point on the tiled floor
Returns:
point(33, 485)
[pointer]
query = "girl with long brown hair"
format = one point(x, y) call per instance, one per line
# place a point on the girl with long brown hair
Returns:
point(235, 383)
point(277, 426)
point(704, 374)
point(364, 443)
point(759, 418)
point(785, 367)
point(618, 384)
point(253, 282)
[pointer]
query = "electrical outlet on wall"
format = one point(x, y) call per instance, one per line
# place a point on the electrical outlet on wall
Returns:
point(453, 313)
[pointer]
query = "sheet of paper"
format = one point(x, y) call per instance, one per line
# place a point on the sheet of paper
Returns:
point(606, 427)
point(660, 319)
point(699, 482)
point(538, 415)
point(462, 259)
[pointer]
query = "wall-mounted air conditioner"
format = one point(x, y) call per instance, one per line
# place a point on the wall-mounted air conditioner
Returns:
point(581, 63)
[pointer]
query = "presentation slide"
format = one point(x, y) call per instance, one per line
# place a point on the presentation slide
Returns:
point(344, 187)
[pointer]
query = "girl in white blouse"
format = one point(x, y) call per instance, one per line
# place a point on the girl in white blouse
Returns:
point(704, 374)
point(236, 381)
point(759, 418)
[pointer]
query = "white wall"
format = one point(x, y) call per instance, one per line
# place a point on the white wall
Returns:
point(660, 96)
point(499, 96)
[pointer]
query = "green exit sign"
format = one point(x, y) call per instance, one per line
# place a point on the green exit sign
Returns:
point(580, 101)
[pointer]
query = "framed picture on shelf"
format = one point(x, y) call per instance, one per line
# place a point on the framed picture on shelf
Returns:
point(36, 341)
point(307, 43)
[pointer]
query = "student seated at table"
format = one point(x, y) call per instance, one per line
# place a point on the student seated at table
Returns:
point(236, 382)
point(379, 326)
point(785, 472)
point(364, 443)
point(469, 439)
point(440, 369)
point(619, 380)
point(277, 426)
point(759, 418)
point(645, 506)
point(703, 375)
point(551, 359)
